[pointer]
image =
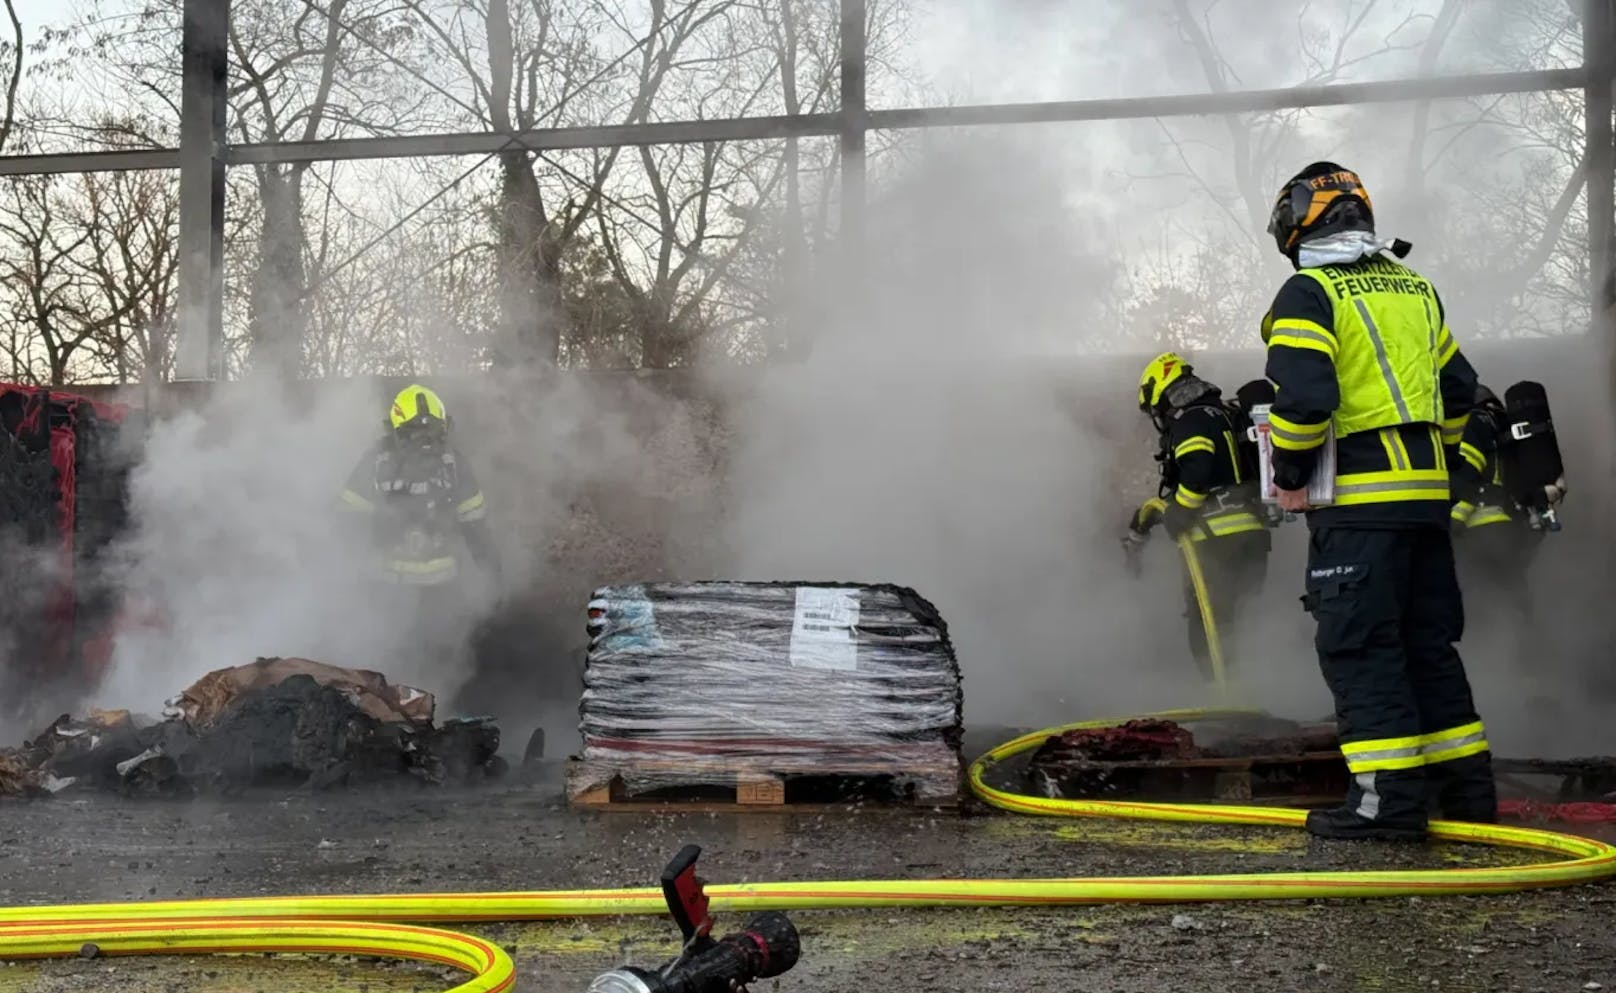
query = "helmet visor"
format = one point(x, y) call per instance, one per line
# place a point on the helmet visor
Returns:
point(1302, 204)
point(423, 432)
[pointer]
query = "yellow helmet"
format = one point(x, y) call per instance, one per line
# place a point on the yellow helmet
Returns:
point(415, 404)
point(1163, 371)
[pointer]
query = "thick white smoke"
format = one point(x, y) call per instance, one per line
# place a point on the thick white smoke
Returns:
point(947, 435)
point(239, 544)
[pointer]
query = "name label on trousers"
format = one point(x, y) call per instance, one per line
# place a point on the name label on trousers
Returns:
point(1337, 572)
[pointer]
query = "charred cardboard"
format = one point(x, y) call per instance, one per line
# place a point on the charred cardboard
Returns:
point(207, 699)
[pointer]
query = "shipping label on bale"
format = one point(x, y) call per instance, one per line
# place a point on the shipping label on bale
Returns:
point(823, 632)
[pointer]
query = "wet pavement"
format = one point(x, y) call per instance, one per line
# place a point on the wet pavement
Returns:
point(523, 837)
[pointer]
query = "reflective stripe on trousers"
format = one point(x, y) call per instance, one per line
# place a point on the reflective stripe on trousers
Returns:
point(1413, 751)
point(428, 572)
point(1223, 525)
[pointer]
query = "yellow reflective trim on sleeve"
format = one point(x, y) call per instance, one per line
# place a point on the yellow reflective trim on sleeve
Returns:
point(1446, 347)
point(1460, 514)
point(356, 501)
point(1149, 513)
point(1291, 332)
point(1473, 455)
point(1488, 514)
point(1194, 445)
point(1188, 498)
point(1453, 429)
point(1295, 436)
point(471, 508)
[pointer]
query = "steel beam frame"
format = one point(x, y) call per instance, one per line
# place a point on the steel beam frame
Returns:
point(199, 351)
point(854, 124)
point(1599, 160)
point(807, 125)
point(204, 153)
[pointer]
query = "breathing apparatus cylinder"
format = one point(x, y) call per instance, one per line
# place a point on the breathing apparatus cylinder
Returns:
point(1257, 395)
point(1534, 474)
point(766, 946)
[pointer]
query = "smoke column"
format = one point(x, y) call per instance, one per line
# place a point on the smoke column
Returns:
point(949, 437)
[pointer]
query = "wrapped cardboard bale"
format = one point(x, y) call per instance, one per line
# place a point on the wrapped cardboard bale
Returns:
point(692, 683)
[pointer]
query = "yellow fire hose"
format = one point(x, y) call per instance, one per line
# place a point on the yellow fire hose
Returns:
point(381, 925)
point(1214, 648)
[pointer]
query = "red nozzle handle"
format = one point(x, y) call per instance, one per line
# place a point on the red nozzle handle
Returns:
point(687, 900)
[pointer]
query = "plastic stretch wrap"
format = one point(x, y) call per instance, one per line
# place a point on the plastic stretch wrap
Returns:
point(824, 677)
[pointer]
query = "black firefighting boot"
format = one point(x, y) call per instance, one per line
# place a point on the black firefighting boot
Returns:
point(1464, 790)
point(1381, 806)
point(1347, 824)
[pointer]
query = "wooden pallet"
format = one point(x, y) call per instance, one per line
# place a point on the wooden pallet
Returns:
point(742, 785)
point(1579, 779)
point(1254, 778)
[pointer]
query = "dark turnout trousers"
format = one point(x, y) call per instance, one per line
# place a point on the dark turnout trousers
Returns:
point(1234, 567)
point(1389, 612)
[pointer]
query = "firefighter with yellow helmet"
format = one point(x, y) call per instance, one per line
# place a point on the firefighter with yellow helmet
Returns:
point(426, 512)
point(1359, 347)
point(1206, 495)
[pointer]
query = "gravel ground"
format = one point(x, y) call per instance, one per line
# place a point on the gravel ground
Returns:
point(523, 837)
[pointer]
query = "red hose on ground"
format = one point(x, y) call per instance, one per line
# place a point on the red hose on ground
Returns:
point(1569, 813)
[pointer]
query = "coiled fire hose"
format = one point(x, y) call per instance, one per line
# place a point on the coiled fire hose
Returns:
point(384, 925)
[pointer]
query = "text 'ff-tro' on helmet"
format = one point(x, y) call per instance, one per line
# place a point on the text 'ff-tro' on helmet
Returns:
point(417, 406)
point(1322, 199)
point(1163, 371)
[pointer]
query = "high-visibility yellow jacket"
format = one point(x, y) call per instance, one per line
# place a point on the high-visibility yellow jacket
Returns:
point(1364, 349)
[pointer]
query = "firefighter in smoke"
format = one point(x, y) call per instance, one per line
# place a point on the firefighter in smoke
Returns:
point(1207, 494)
point(1496, 536)
point(426, 512)
point(1359, 346)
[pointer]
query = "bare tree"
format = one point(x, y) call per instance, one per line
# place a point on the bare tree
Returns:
point(300, 70)
point(50, 297)
point(12, 52)
point(131, 258)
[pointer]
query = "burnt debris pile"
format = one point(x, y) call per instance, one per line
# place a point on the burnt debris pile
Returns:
point(276, 723)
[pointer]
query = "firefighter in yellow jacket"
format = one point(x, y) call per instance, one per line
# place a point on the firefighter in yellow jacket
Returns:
point(1359, 345)
point(426, 512)
point(1206, 493)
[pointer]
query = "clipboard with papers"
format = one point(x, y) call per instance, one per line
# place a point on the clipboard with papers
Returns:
point(1320, 485)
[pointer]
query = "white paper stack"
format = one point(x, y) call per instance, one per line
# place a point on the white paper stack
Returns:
point(1320, 485)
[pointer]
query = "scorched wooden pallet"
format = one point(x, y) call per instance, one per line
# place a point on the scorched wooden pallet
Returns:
point(760, 784)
